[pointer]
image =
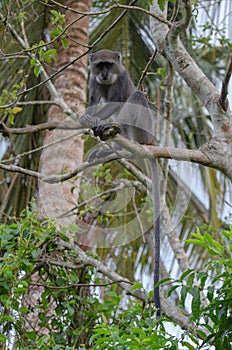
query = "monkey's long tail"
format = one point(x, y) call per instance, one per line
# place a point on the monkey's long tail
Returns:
point(156, 204)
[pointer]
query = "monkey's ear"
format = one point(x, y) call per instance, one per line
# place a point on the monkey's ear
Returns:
point(90, 57)
point(119, 56)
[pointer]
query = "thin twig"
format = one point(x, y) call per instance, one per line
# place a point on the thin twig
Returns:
point(183, 23)
point(47, 145)
point(52, 76)
point(175, 11)
point(115, 6)
point(67, 125)
point(84, 285)
point(224, 90)
point(149, 63)
point(137, 214)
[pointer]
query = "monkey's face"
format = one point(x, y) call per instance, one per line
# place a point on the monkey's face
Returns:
point(106, 66)
point(105, 72)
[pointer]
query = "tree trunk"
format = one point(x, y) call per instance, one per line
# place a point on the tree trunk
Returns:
point(56, 200)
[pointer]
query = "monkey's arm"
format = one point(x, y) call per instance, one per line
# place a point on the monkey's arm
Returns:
point(106, 112)
point(111, 94)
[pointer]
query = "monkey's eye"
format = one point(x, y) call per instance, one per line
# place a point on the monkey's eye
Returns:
point(103, 65)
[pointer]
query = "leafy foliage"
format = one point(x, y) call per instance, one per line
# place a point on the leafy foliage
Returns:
point(27, 245)
point(110, 320)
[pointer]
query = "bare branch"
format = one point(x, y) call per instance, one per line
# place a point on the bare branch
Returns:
point(175, 11)
point(54, 178)
point(66, 125)
point(185, 20)
point(115, 6)
point(21, 155)
point(141, 151)
point(169, 309)
point(136, 149)
point(84, 285)
point(149, 63)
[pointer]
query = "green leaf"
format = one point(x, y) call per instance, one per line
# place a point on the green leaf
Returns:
point(196, 302)
point(162, 4)
point(190, 280)
point(137, 285)
point(188, 345)
point(3, 338)
point(210, 293)
point(37, 70)
point(31, 335)
point(55, 32)
point(226, 234)
point(186, 273)
point(65, 43)
point(183, 294)
point(54, 12)
point(48, 54)
point(172, 290)
point(34, 61)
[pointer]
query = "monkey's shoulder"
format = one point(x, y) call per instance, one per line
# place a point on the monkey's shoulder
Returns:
point(125, 84)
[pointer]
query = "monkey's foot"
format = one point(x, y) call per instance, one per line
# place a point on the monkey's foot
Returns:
point(106, 131)
point(89, 121)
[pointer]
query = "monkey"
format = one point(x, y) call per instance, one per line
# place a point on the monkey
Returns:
point(110, 82)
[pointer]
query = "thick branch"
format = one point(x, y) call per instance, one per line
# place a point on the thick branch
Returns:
point(169, 45)
point(140, 151)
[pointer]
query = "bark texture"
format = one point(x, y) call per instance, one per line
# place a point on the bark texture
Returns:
point(57, 200)
point(167, 41)
point(66, 152)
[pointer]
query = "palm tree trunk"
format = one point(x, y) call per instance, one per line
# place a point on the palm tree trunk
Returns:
point(55, 200)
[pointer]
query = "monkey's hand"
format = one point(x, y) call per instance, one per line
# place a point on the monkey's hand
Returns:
point(89, 121)
point(106, 131)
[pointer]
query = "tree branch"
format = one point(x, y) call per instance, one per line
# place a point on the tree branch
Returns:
point(170, 46)
point(168, 308)
point(224, 90)
point(185, 20)
point(140, 151)
point(66, 125)
point(149, 63)
point(116, 6)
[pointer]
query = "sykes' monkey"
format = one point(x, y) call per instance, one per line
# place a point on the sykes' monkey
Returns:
point(111, 83)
